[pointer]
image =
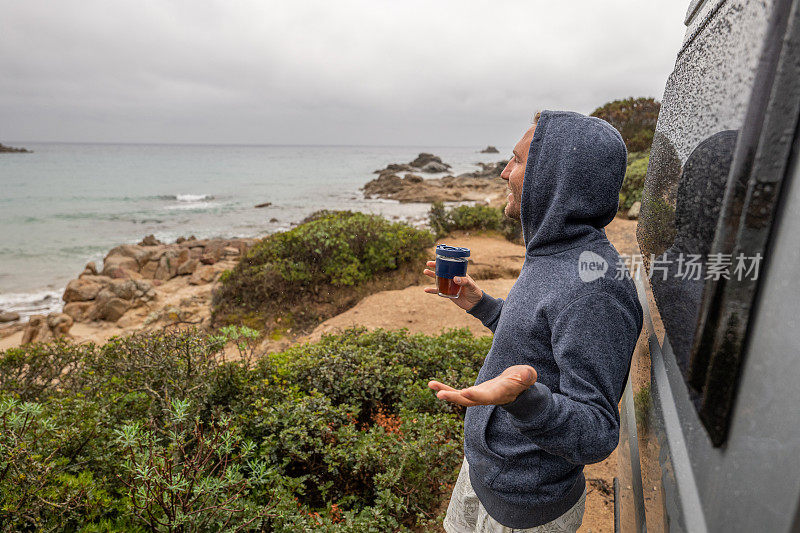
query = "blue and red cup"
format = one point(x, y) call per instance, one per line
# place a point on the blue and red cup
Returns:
point(451, 261)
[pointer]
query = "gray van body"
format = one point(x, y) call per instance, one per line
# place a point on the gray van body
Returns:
point(673, 475)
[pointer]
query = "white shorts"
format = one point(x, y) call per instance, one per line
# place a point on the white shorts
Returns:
point(465, 514)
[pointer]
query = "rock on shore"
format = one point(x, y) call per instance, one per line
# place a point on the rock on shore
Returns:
point(131, 272)
point(12, 150)
point(48, 328)
point(424, 162)
point(8, 316)
point(483, 185)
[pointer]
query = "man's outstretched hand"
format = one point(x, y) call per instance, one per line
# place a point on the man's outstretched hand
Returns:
point(497, 391)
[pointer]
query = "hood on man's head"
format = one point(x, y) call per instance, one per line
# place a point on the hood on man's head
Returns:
point(575, 169)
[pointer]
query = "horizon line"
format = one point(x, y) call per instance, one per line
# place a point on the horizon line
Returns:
point(19, 144)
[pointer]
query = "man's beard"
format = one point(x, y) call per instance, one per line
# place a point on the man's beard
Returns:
point(512, 209)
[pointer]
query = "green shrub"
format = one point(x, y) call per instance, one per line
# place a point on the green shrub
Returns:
point(635, 118)
point(633, 183)
point(331, 250)
point(339, 435)
point(642, 403)
point(192, 478)
point(41, 485)
point(468, 218)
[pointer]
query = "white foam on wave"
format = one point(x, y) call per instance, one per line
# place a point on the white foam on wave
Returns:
point(193, 197)
point(32, 303)
point(383, 200)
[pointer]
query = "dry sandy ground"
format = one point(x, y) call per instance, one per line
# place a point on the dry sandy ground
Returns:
point(494, 264)
point(419, 312)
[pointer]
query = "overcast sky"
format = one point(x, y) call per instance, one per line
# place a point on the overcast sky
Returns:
point(332, 72)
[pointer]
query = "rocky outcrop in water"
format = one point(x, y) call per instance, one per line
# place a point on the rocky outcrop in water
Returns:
point(482, 185)
point(8, 316)
point(11, 150)
point(424, 162)
point(490, 150)
point(131, 272)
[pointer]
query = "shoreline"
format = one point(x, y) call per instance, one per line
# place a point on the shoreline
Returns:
point(47, 299)
point(412, 208)
point(69, 204)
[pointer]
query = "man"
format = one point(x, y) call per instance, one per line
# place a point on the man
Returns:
point(545, 401)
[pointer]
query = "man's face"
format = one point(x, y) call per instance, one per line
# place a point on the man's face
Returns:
point(514, 174)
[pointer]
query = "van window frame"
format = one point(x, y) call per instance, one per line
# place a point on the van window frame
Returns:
point(750, 209)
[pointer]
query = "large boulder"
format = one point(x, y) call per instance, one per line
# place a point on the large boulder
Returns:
point(90, 269)
point(59, 324)
point(42, 328)
point(123, 288)
point(134, 290)
point(114, 263)
point(196, 252)
point(9, 316)
point(35, 329)
point(396, 167)
point(182, 240)
point(108, 306)
point(124, 273)
point(384, 185)
point(425, 158)
point(114, 309)
point(81, 290)
point(150, 240)
point(140, 254)
point(204, 274)
point(488, 170)
point(149, 269)
point(79, 311)
point(188, 266)
point(434, 167)
point(212, 253)
point(168, 265)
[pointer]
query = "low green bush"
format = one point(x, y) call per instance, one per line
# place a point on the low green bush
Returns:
point(339, 435)
point(330, 250)
point(643, 403)
point(472, 218)
point(635, 118)
point(633, 183)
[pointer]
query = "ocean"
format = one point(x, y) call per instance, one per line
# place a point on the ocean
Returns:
point(67, 204)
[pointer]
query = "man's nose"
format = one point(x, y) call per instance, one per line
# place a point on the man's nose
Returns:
point(506, 174)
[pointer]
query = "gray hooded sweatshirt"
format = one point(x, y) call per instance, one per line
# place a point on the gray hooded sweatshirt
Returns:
point(575, 323)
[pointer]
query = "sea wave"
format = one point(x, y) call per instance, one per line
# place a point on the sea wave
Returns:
point(186, 197)
point(88, 215)
point(32, 303)
point(194, 206)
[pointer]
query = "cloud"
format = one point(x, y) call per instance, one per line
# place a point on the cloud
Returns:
point(379, 72)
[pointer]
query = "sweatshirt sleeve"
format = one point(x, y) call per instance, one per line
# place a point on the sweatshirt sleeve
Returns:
point(487, 310)
point(593, 339)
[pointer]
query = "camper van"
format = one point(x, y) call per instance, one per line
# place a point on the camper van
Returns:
point(710, 435)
